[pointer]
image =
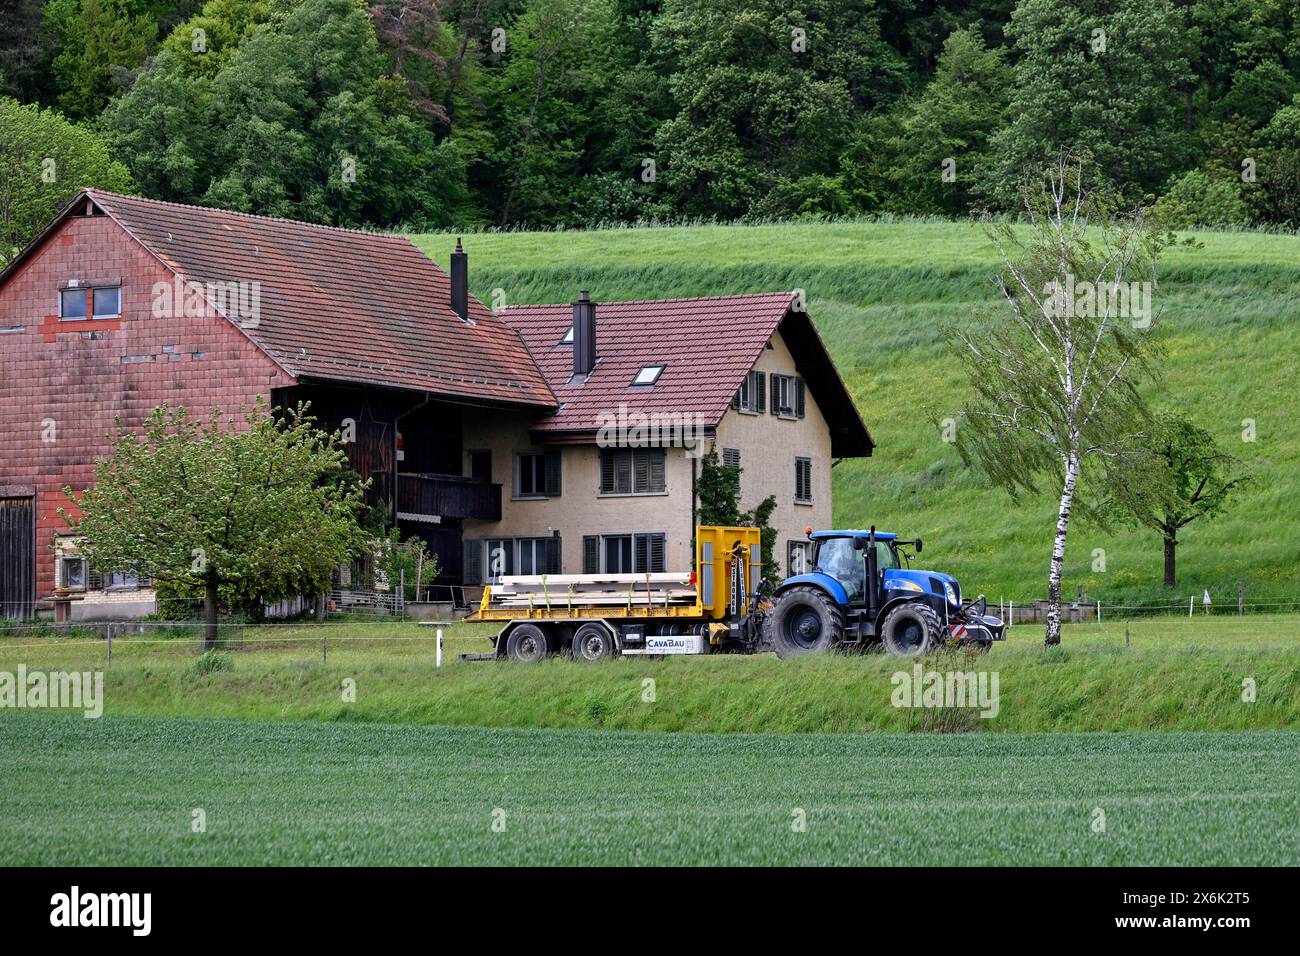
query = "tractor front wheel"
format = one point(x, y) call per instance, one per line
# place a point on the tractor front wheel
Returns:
point(911, 630)
point(804, 621)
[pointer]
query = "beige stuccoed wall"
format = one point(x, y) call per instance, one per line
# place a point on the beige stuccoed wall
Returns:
point(768, 447)
point(580, 509)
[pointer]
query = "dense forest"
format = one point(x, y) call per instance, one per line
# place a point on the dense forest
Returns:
point(544, 113)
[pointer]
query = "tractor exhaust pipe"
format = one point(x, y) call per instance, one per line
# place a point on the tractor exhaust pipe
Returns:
point(873, 574)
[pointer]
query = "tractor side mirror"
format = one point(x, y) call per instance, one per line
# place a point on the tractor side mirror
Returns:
point(859, 543)
point(918, 545)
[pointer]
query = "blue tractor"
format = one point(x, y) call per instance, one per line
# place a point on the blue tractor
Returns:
point(863, 592)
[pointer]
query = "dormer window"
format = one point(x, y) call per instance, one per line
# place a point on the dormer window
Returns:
point(648, 375)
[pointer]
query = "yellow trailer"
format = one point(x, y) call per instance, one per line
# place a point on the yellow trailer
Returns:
point(715, 607)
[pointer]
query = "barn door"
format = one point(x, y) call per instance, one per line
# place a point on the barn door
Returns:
point(17, 557)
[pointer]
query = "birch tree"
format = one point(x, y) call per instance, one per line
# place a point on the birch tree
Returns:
point(1056, 373)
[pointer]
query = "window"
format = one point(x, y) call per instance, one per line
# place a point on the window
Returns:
point(752, 396)
point(731, 458)
point(532, 555)
point(108, 303)
point(803, 480)
point(648, 375)
point(72, 573)
point(798, 557)
point(618, 554)
point(787, 396)
point(72, 304)
point(480, 465)
point(568, 337)
point(502, 557)
point(537, 474)
point(121, 581)
point(837, 557)
point(632, 471)
point(639, 553)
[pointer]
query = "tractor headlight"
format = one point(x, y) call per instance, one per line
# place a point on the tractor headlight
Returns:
point(950, 593)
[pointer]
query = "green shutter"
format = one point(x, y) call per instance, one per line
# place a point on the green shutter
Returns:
point(553, 554)
point(473, 568)
point(591, 554)
point(798, 398)
point(760, 392)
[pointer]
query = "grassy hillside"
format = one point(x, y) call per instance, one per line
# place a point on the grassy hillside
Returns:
point(879, 293)
point(124, 791)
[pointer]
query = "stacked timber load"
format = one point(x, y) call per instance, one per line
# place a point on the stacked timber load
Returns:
point(558, 591)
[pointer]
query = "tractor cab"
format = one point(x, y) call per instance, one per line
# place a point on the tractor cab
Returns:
point(866, 576)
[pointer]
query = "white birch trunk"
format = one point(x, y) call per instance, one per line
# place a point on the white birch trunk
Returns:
point(1058, 551)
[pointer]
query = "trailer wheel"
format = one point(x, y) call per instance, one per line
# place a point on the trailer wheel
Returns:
point(911, 630)
point(804, 621)
point(593, 643)
point(527, 643)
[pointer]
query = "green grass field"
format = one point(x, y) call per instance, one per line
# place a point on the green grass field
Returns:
point(879, 293)
point(123, 790)
point(1177, 675)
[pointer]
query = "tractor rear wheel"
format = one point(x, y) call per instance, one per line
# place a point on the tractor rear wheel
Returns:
point(805, 620)
point(593, 643)
point(527, 643)
point(911, 630)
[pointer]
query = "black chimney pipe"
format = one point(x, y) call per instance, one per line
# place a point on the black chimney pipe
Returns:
point(584, 335)
point(460, 282)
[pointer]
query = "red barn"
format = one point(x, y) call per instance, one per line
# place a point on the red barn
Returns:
point(122, 304)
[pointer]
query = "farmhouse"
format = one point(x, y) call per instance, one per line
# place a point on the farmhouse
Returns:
point(514, 437)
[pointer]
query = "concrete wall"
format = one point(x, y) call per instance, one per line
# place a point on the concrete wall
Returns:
point(768, 447)
point(580, 509)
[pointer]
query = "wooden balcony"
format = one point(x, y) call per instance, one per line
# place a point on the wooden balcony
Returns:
point(423, 497)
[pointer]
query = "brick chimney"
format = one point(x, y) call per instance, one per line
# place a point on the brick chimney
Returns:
point(584, 336)
point(460, 282)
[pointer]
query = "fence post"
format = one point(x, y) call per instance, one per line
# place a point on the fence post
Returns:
point(438, 659)
point(1098, 610)
point(1241, 598)
point(1011, 614)
point(1191, 605)
point(109, 638)
point(324, 647)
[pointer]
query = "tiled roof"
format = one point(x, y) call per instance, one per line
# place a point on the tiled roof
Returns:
point(706, 346)
point(341, 304)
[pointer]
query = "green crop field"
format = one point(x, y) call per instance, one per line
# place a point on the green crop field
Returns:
point(125, 790)
point(879, 293)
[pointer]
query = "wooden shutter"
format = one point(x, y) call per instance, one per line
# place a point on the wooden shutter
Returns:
point(731, 457)
point(606, 471)
point(94, 580)
point(473, 562)
point(552, 485)
point(776, 394)
point(798, 398)
point(658, 481)
point(553, 554)
point(640, 470)
point(760, 392)
point(658, 545)
point(591, 554)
